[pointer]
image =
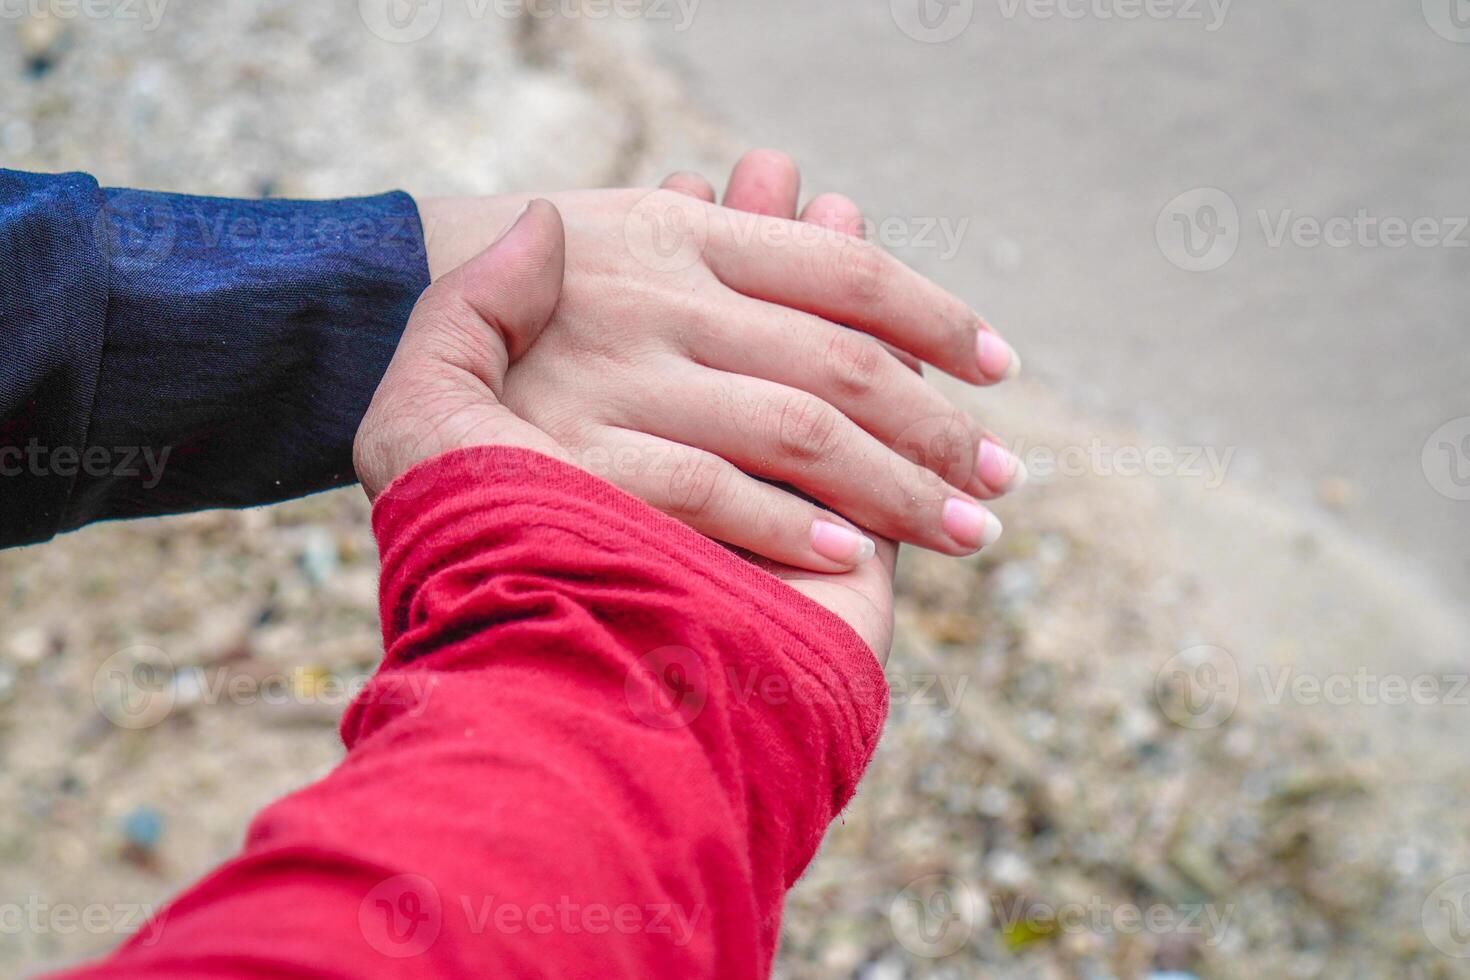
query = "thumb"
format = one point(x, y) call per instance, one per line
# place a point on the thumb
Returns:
point(474, 321)
point(492, 308)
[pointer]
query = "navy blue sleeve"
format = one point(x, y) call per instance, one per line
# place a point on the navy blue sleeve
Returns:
point(165, 353)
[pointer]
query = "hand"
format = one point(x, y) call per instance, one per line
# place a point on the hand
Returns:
point(680, 374)
point(442, 389)
point(767, 182)
point(440, 392)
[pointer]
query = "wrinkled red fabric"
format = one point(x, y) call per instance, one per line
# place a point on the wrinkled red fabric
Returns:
point(599, 745)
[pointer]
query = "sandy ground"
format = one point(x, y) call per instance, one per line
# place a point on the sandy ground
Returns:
point(1111, 715)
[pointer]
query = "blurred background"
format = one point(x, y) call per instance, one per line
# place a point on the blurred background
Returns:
point(1202, 713)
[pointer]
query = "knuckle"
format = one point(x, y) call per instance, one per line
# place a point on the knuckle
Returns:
point(693, 325)
point(856, 363)
point(807, 428)
point(863, 272)
point(671, 202)
point(694, 484)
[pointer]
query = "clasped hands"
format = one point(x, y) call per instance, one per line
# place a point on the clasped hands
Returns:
point(754, 377)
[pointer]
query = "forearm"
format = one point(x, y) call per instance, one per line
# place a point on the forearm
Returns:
point(200, 352)
point(520, 770)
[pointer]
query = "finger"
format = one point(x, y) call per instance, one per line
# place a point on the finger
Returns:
point(691, 184)
point(439, 391)
point(846, 280)
point(720, 502)
point(835, 212)
point(839, 213)
point(784, 434)
point(764, 182)
point(496, 304)
point(856, 375)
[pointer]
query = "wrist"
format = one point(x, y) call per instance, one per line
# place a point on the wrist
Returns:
point(456, 229)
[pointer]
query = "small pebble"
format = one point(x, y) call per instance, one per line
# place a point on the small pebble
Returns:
point(143, 828)
point(29, 646)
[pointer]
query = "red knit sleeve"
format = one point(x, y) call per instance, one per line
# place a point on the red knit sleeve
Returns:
point(599, 746)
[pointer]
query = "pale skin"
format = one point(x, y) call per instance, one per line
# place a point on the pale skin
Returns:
point(703, 370)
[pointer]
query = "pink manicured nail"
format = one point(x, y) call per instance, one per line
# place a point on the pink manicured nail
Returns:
point(841, 544)
point(999, 469)
point(971, 525)
point(998, 361)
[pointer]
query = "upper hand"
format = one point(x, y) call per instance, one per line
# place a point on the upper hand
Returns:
point(683, 367)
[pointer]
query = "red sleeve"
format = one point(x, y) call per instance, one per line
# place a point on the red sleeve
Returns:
point(599, 746)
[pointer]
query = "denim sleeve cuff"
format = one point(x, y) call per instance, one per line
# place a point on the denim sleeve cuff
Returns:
point(242, 345)
point(53, 298)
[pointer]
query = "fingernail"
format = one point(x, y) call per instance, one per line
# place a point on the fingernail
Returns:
point(513, 222)
point(999, 468)
point(971, 525)
point(998, 360)
point(841, 544)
